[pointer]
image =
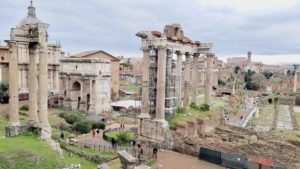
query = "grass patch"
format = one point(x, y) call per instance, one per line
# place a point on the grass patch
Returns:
point(73, 159)
point(131, 88)
point(266, 116)
point(27, 152)
point(290, 135)
point(126, 120)
point(182, 116)
point(93, 152)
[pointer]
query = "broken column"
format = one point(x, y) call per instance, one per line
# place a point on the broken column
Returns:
point(161, 84)
point(43, 92)
point(208, 82)
point(195, 77)
point(187, 75)
point(13, 85)
point(178, 80)
point(33, 87)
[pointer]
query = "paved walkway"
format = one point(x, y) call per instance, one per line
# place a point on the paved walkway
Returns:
point(169, 160)
point(284, 118)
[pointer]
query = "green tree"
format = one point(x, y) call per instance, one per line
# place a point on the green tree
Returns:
point(4, 95)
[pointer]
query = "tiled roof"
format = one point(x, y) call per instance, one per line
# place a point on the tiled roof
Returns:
point(88, 53)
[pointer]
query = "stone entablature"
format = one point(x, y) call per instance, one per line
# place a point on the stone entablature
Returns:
point(202, 48)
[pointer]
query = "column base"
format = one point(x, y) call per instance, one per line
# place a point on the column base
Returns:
point(45, 132)
point(144, 116)
point(164, 123)
point(33, 123)
point(12, 130)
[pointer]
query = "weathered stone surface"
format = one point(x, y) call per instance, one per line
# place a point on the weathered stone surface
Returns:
point(142, 167)
point(127, 160)
point(103, 166)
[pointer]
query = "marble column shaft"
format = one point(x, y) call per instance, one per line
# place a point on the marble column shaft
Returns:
point(33, 87)
point(13, 85)
point(187, 76)
point(295, 81)
point(179, 79)
point(43, 85)
point(161, 84)
point(208, 82)
point(195, 80)
point(145, 84)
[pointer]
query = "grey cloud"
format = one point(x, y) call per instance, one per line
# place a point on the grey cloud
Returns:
point(111, 25)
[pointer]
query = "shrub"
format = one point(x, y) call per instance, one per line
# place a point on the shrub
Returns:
point(98, 125)
point(24, 107)
point(4, 95)
point(180, 110)
point(123, 137)
point(193, 105)
point(71, 118)
point(276, 99)
point(62, 114)
point(204, 107)
point(84, 126)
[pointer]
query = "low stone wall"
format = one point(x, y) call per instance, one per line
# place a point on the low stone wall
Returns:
point(200, 127)
point(11, 131)
point(93, 158)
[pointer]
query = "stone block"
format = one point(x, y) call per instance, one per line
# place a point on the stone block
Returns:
point(142, 167)
point(127, 160)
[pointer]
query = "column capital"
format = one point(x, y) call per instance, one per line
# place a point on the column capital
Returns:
point(187, 54)
point(169, 52)
point(210, 55)
point(179, 52)
point(196, 54)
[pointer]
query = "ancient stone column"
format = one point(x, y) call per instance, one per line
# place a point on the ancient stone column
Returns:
point(43, 92)
point(234, 85)
point(161, 84)
point(145, 85)
point(208, 82)
point(179, 79)
point(295, 81)
point(13, 85)
point(33, 87)
point(195, 81)
point(187, 75)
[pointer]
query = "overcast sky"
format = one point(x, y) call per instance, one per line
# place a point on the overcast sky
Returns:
point(268, 28)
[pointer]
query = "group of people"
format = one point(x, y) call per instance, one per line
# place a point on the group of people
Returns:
point(122, 126)
point(94, 132)
point(141, 151)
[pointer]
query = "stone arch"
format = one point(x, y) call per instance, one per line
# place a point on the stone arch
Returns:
point(76, 86)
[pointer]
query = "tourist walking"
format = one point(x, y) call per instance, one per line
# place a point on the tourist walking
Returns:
point(154, 155)
point(93, 133)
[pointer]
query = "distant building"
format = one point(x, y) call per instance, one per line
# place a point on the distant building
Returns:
point(85, 84)
point(115, 67)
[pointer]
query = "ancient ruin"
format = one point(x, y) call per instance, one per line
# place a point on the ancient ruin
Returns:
point(32, 34)
point(85, 84)
point(161, 89)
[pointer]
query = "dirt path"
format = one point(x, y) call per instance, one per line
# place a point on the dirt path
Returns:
point(169, 160)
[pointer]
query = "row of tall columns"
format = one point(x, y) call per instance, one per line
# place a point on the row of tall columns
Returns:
point(161, 81)
point(13, 85)
point(208, 83)
point(187, 71)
